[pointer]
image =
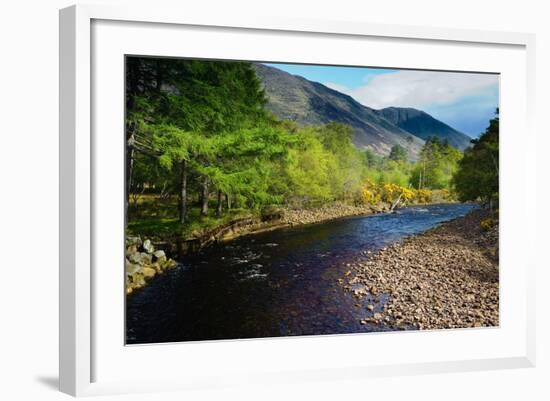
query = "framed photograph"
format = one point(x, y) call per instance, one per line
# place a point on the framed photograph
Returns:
point(270, 200)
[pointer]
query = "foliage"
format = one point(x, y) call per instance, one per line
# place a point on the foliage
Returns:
point(156, 218)
point(477, 174)
point(307, 168)
point(373, 193)
point(373, 160)
point(437, 163)
point(423, 195)
point(347, 167)
point(487, 224)
point(198, 134)
point(398, 153)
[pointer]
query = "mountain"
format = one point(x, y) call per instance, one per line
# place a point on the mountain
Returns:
point(292, 97)
point(423, 125)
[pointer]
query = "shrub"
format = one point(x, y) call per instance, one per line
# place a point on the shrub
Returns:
point(370, 193)
point(423, 196)
point(487, 224)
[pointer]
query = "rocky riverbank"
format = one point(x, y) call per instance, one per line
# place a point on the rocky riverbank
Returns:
point(143, 262)
point(268, 220)
point(447, 277)
point(282, 217)
point(328, 212)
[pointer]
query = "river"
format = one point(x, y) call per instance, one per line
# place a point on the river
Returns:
point(278, 283)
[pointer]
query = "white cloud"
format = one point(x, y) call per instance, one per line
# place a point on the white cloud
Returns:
point(418, 89)
point(339, 88)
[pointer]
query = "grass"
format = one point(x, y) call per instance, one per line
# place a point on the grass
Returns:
point(154, 217)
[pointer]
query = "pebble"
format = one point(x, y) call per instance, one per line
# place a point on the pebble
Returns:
point(446, 277)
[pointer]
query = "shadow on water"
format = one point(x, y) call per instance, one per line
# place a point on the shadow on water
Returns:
point(278, 283)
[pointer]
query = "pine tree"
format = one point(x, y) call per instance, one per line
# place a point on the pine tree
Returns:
point(477, 176)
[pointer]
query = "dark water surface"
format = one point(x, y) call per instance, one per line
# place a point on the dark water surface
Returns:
point(272, 284)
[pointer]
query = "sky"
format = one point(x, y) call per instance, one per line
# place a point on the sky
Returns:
point(465, 101)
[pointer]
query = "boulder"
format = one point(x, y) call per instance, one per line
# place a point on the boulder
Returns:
point(132, 268)
point(135, 257)
point(148, 246)
point(131, 249)
point(149, 272)
point(159, 256)
point(146, 258)
point(138, 280)
point(135, 240)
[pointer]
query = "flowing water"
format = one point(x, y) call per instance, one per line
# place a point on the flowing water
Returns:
point(278, 283)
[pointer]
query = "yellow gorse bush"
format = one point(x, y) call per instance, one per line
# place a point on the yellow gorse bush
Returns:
point(408, 194)
point(423, 195)
point(370, 193)
point(389, 191)
point(373, 194)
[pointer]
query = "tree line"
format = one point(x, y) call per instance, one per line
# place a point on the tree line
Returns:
point(198, 131)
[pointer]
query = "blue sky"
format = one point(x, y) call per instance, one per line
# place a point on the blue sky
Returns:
point(465, 101)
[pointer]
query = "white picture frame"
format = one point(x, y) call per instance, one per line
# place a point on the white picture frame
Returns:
point(86, 327)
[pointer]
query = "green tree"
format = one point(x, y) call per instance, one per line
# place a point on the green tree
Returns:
point(177, 107)
point(478, 172)
point(398, 153)
point(248, 166)
point(347, 171)
point(437, 163)
point(373, 160)
point(308, 166)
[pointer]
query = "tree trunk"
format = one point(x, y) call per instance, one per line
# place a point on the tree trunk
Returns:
point(219, 206)
point(183, 192)
point(396, 203)
point(228, 201)
point(129, 169)
point(204, 197)
point(424, 175)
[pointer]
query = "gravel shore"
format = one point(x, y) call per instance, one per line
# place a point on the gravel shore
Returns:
point(286, 217)
point(446, 277)
point(328, 212)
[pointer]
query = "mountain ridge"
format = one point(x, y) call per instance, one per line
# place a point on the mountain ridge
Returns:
point(296, 98)
point(424, 126)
